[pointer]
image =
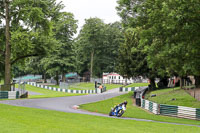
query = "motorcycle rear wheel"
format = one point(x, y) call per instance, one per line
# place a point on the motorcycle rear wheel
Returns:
point(120, 113)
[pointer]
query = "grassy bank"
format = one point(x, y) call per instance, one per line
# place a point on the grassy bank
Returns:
point(28, 120)
point(179, 96)
point(132, 111)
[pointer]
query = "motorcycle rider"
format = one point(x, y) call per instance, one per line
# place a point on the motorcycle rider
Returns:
point(124, 103)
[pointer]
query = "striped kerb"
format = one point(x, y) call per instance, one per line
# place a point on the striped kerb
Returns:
point(132, 88)
point(198, 114)
point(3, 94)
point(168, 110)
point(126, 89)
point(150, 106)
point(76, 91)
point(71, 91)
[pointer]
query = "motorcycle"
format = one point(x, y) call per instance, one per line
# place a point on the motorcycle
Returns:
point(118, 110)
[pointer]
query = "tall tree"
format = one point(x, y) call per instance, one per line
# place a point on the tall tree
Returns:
point(25, 21)
point(97, 46)
point(90, 38)
point(168, 33)
point(62, 58)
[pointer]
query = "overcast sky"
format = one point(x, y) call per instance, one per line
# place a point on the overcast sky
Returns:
point(84, 9)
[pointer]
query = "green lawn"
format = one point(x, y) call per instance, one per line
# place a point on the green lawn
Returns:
point(46, 93)
point(132, 111)
point(88, 86)
point(112, 86)
point(80, 86)
point(29, 120)
point(165, 96)
point(1, 82)
point(137, 85)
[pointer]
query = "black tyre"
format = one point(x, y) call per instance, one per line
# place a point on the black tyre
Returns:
point(120, 113)
point(110, 114)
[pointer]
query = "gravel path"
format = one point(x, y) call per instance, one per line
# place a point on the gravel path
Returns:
point(66, 104)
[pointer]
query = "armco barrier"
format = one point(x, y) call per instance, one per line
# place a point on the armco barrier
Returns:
point(171, 110)
point(64, 90)
point(124, 89)
point(9, 94)
point(168, 110)
point(150, 106)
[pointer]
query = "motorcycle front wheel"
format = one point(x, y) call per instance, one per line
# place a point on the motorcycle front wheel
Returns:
point(110, 114)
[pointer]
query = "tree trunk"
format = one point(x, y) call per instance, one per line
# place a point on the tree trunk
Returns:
point(63, 77)
point(197, 81)
point(57, 79)
point(152, 84)
point(45, 78)
point(7, 80)
point(181, 82)
point(91, 66)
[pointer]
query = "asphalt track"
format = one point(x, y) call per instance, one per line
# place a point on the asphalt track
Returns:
point(67, 104)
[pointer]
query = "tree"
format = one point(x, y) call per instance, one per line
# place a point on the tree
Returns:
point(97, 47)
point(168, 33)
point(26, 21)
point(62, 58)
point(133, 57)
point(91, 35)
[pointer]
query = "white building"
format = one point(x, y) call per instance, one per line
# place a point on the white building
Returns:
point(109, 78)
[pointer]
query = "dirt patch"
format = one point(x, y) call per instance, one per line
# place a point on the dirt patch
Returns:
point(194, 92)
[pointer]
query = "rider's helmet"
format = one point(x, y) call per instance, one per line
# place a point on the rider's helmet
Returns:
point(125, 102)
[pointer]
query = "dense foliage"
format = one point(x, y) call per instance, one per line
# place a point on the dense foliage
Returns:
point(167, 36)
point(97, 47)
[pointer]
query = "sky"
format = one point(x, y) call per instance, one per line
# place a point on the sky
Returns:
point(84, 9)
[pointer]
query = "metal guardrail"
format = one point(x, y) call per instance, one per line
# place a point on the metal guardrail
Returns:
point(171, 110)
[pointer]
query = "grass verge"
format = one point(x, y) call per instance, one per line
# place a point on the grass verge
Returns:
point(1, 82)
point(29, 120)
point(182, 98)
point(46, 93)
point(112, 86)
point(137, 85)
point(132, 111)
point(89, 86)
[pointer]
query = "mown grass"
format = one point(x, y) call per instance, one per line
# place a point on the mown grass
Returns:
point(29, 120)
point(80, 86)
point(137, 85)
point(112, 86)
point(46, 93)
point(180, 97)
point(1, 82)
point(132, 110)
point(89, 86)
